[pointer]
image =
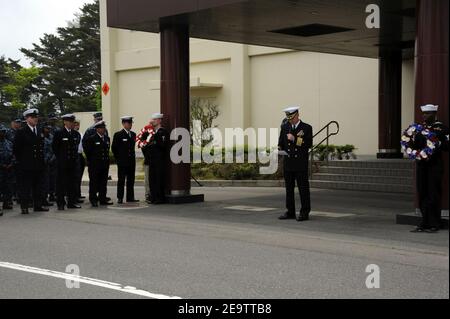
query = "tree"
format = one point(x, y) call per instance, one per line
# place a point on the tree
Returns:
point(17, 88)
point(22, 88)
point(70, 64)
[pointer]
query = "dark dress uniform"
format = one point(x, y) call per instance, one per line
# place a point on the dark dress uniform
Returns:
point(123, 148)
point(6, 170)
point(157, 151)
point(429, 176)
point(296, 165)
point(65, 146)
point(97, 149)
point(28, 149)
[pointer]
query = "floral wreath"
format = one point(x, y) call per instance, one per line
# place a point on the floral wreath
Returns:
point(409, 137)
point(144, 136)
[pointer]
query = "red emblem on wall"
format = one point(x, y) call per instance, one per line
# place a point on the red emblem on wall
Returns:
point(105, 88)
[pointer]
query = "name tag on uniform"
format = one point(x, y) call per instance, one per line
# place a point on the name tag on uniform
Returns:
point(125, 140)
point(98, 143)
point(65, 139)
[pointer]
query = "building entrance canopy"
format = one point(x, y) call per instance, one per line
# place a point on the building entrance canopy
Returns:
point(329, 26)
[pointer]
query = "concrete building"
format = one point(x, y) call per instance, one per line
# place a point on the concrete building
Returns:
point(370, 77)
point(252, 84)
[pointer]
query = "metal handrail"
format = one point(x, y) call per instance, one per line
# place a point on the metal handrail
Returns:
point(327, 139)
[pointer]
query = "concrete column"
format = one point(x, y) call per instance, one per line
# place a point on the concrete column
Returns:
point(110, 104)
point(431, 64)
point(390, 104)
point(240, 87)
point(175, 102)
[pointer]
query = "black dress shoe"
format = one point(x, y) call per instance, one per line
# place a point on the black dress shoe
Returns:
point(120, 201)
point(73, 206)
point(41, 209)
point(302, 218)
point(79, 201)
point(106, 203)
point(133, 201)
point(25, 211)
point(82, 197)
point(286, 216)
point(1, 213)
point(418, 229)
point(432, 230)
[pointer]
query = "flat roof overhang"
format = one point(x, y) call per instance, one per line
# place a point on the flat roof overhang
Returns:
point(328, 26)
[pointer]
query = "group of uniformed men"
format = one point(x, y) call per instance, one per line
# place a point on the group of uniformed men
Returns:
point(43, 164)
point(42, 160)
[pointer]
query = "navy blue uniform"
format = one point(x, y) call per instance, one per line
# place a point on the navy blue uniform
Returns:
point(123, 148)
point(429, 177)
point(65, 146)
point(296, 165)
point(97, 149)
point(28, 149)
point(157, 153)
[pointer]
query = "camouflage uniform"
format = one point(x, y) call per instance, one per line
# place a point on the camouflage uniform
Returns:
point(49, 183)
point(6, 169)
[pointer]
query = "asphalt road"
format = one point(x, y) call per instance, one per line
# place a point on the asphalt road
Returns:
point(220, 249)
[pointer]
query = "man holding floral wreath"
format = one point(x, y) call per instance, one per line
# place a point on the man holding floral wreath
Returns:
point(430, 170)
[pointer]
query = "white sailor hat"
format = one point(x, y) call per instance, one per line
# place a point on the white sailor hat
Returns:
point(100, 124)
point(31, 112)
point(68, 117)
point(291, 111)
point(429, 108)
point(127, 119)
point(157, 116)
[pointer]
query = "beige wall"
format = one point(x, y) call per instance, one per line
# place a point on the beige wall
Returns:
point(256, 83)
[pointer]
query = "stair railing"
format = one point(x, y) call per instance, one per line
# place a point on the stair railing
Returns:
point(326, 139)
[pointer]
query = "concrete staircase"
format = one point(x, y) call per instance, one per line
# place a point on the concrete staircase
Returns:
point(392, 176)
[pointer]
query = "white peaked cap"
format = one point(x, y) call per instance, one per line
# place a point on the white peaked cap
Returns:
point(291, 109)
point(429, 108)
point(157, 116)
point(30, 112)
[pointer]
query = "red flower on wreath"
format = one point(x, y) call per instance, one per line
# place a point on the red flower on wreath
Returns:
point(145, 135)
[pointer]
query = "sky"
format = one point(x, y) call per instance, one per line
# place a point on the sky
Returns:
point(23, 22)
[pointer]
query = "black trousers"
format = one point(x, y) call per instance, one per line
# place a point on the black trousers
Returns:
point(127, 173)
point(80, 173)
point(98, 181)
point(52, 175)
point(302, 179)
point(6, 186)
point(29, 187)
point(66, 183)
point(429, 188)
point(157, 185)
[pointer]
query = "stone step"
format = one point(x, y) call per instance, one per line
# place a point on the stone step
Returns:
point(381, 164)
point(407, 173)
point(369, 187)
point(369, 179)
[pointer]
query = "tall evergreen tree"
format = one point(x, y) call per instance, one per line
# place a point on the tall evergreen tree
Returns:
point(70, 63)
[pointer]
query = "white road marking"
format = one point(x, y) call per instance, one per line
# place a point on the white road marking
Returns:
point(85, 280)
point(331, 215)
point(251, 208)
point(267, 209)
